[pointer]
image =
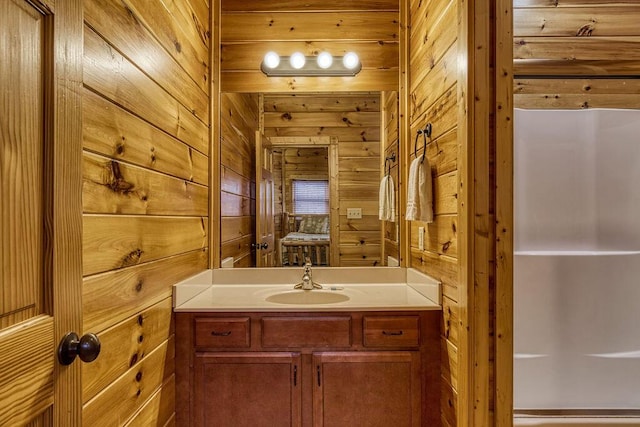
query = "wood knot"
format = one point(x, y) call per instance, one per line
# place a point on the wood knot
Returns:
point(116, 181)
point(586, 30)
point(286, 116)
point(132, 258)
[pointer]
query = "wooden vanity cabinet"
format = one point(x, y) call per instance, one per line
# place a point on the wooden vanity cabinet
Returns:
point(308, 369)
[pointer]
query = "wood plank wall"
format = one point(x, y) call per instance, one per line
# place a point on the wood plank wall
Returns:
point(251, 28)
point(355, 120)
point(433, 98)
point(576, 54)
point(238, 125)
point(145, 196)
point(390, 146)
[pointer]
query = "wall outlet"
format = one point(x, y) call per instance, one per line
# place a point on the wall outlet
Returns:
point(354, 213)
point(421, 238)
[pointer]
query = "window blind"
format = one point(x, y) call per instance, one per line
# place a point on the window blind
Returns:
point(310, 197)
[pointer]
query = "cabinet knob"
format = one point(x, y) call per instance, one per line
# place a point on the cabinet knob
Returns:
point(86, 348)
point(265, 245)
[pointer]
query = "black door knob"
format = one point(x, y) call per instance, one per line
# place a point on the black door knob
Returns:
point(86, 348)
point(264, 246)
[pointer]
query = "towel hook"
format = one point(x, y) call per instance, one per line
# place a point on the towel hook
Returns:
point(415, 143)
point(391, 158)
point(426, 133)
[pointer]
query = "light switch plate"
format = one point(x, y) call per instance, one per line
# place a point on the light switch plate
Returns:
point(354, 213)
point(421, 238)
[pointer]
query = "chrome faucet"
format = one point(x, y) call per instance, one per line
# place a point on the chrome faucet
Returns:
point(307, 283)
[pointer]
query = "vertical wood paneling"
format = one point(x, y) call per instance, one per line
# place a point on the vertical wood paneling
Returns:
point(503, 371)
point(145, 194)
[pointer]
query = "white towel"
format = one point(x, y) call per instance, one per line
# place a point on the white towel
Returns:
point(386, 200)
point(419, 192)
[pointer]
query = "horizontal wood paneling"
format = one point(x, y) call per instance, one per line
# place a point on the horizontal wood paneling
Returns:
point(294, 26)
point(365, 102)
point(111, 242)
point(124, 344)
point(119, 23)
point(312, 119)
point(313, 5)
point(575, 22)
point(125, 396)
point(112, 131)
point(344, 134)
point(145, 195)
point(239, 121)
point(112, 75)
point(256, 81)
point(369, 28)
point(237, 227)
point(577, 93)
point(574, 38)
point(159, 408)
point(113, 187)
point(112, 297)
point(182, 28)
point(237, 248)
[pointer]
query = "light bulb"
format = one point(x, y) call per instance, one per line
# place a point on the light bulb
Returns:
point(325, 60)
point(350, 60)
point(297, 60)
point(271, 60)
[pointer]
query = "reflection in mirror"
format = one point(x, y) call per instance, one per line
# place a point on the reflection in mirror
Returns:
point(327, 160)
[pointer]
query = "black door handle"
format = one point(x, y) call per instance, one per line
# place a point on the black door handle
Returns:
point(86, 348)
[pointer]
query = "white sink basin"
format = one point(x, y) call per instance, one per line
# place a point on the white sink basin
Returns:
point(307, 297)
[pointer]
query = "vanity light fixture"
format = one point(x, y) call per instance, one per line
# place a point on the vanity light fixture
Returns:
point(324, 64)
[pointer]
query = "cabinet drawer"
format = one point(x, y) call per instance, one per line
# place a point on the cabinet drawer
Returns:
point(391, 331)
point(223, 332)
point(317, 332)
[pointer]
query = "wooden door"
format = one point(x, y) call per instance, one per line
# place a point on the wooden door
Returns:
point(40, 209)
point(265, 224)
point(366, 389)
point(247, 389)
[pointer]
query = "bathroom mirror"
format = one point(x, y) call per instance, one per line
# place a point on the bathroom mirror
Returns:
point(300, 178)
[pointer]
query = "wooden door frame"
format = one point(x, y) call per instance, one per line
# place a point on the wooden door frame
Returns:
point(63, 197)
point(485, 206)
point(331, 143)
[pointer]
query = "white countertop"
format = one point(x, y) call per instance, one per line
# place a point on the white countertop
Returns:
point(368, 289)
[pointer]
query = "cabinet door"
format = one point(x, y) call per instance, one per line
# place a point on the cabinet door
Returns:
point(366, 389)
point(247, 389)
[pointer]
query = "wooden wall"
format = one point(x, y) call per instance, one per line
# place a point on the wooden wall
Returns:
point(145, 196)
point(576, 54)
point(355, 120)
point(433, 96)
point(251, 28)
point(238, 125)
point(390, 148)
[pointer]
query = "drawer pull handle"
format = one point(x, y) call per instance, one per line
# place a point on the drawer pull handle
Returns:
point(318, 371)
point(295, 375)
point(221, 334)
point(392, 333)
